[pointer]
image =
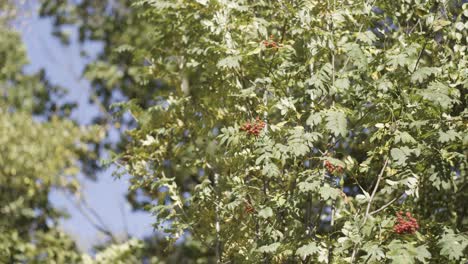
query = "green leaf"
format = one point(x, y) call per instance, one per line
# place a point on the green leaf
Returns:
point(265, 212)
point(439, 24)
point(124, 48)
point(308, 186)
point(406, 253)
point(400, 155)
point(328, 192)
point(361, 198)
point(336, 123)
point(438, 93)
point(230, 62)
point(270, 170)
point(452, 245)
point(269, 248)
point(398, 60)
point(422, 254)
point(404, 137)
point(450, 135)
point(422, 73)
point(367, 37)
point(374, 254)
point(300, 142)
point(314, 119)
point(342, 84)
point(308, 250)
point(356, 55)
point(285, 105)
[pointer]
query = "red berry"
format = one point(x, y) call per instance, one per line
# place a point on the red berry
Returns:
point(405, 225)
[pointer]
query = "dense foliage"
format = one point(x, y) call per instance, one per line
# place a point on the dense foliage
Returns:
point(362, 158)
point(288, 131)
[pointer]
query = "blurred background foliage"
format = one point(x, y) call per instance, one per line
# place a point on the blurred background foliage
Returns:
point(43, 149)
point(40, 150)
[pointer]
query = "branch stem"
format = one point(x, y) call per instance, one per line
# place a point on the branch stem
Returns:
point(375, 190)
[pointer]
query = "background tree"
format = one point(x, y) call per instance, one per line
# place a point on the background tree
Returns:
point(119, 74)
point(41, 150)
point(36, 157)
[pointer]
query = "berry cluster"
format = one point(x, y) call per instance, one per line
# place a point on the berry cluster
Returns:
point(271, 43)
point(332, 169)
point(405, 225)
point(253, 128)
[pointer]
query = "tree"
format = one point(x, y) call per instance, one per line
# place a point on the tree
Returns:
point(308, 126)
point(36, 157)
point(360, 107)
point(41, 150)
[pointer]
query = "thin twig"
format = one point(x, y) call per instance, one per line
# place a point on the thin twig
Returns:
point(419, 57)
point(218, 228)
point(97, 225)
point(124, 220)
point(379, 178)
point(385, 206)
point(375, 190)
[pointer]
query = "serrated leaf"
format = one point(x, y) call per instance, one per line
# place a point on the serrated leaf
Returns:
point(439, 94)
point(439, 24)
point(406, 253)
point(337, 123)
point(422, 73)
point(285, 105)
point(422, 253)
point(367, 37)
point(270, 170)
point(356, 55)
point(374, 254)
point(328, 192)
point(230, 62)
point(398, 60)
point(452, 245)
point(314, 119)
point(450, 135)
point(300, 142)
point(400, 155)
point(269, 248)
point(308, 250)
point(404, 137)
point(308, 186)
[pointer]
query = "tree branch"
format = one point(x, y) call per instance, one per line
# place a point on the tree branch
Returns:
point(379, 178)
point(419, 56)
point(375, 190)
point(385, 206)
point(99, 225)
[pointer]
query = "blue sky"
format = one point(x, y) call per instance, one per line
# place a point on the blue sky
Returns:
point(63, 66)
